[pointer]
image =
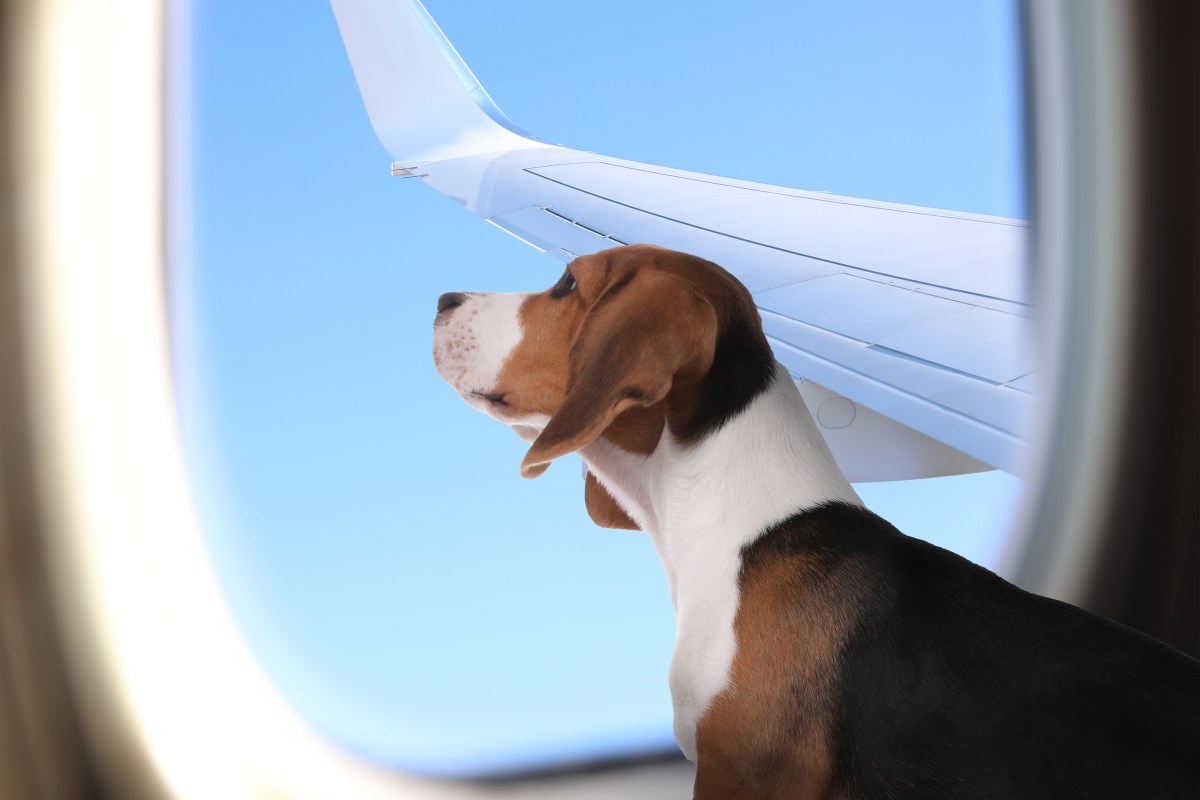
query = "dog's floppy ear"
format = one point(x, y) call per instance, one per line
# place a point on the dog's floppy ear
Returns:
point(628, 353)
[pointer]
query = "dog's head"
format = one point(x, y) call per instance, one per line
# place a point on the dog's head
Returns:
point(618, 347)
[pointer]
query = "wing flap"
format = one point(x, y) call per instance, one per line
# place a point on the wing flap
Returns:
point(978, 341)
point(836, 303)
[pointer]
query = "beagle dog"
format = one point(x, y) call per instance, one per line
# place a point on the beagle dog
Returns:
point(820, 652)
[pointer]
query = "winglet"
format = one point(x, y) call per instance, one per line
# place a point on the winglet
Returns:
point(423, 101)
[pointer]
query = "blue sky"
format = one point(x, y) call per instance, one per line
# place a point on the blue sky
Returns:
point(409, 592)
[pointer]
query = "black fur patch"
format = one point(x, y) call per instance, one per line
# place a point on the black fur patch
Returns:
point(742, 369)
point(953, 683)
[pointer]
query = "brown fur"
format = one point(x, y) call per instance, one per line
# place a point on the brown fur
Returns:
point(630, 365)
point(767, 734)
point(602, 508)
point(605, 349)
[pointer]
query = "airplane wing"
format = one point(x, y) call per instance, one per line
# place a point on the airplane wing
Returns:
point(907, 328)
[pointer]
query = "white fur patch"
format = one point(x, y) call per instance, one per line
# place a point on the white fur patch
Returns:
point(701, 505)
point(471, 344)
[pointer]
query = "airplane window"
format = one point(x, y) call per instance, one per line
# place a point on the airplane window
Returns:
point(411, 595)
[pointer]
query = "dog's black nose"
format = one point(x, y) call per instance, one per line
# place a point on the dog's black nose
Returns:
point(450, 300)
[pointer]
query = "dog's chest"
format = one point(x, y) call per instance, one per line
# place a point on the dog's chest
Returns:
point(706, 602)
point(701, 504)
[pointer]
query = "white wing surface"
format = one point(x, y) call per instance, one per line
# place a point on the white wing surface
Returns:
point(906, 327)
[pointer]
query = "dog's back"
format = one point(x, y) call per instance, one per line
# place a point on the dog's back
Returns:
point(952, 683)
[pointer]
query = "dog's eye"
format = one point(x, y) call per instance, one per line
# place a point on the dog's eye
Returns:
point(565, 285)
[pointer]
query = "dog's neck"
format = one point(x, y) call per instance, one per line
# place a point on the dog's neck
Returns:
point(763, 465)
point(701, 503)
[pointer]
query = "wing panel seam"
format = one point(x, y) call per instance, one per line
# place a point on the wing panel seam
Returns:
point(899, 390)
point(1003, 221)
point(776, 247)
